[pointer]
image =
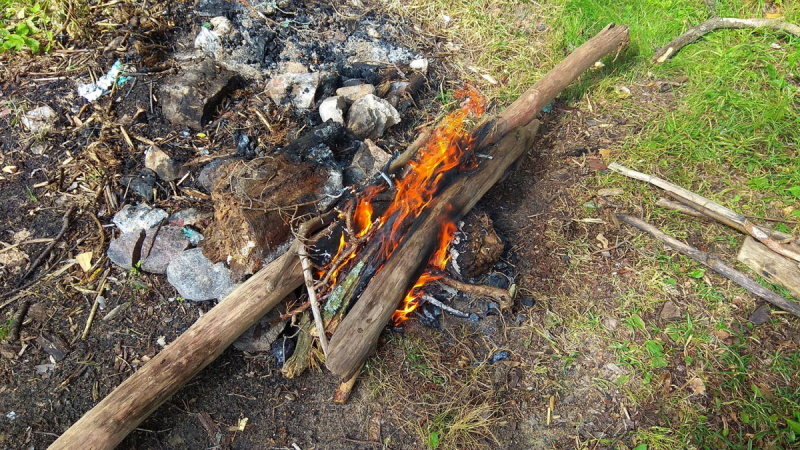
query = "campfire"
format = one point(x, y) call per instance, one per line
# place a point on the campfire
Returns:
point(366, 256)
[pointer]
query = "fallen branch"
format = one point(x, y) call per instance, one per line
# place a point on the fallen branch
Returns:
point(305, 261)
point(680, 207)
point(445, 307)
point(501, 295)
point(715, 211)
point(94, 307)
point(718, 23)
point(715, 264)
point(16, 322)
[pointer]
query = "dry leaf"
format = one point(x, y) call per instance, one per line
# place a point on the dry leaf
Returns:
point(773, 15)
point(603, 240)
point(242, 424)
point(610, 192)
point(85, 261)
point(605, 153)
point(697, 386)
point(489, 78)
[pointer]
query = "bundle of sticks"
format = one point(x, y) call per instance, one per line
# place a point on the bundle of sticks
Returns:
point(504, 139)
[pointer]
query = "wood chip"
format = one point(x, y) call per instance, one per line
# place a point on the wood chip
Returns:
point(85, 261)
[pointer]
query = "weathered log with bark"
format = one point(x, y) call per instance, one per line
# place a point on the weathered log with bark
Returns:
point(107, 424)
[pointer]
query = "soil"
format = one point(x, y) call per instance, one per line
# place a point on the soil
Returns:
point(250, 403)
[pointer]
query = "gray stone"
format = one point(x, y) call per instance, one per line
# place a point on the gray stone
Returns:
point(761, 315)
point(353, 93)
point(198, 279)
point(528, 301)
point(140, 217)
point(141, 184)
point(154, 256)
point(419, 64)
point(370, 116)
point(208, 41)
point(671, 311)
point(211, 172)
point(367, 162)
point(333, 108)
point(39, 120)
point(159, 162)
point(189, 99)
point(259, 337)
point(222, 26)
point(187, 217)
point(302, 86)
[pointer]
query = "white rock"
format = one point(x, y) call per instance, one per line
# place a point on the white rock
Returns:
point(39, 119)
point(198, 279)
point(142, 217)
point(373, 33)
point(353, 93)
point(370, 116)
point(222, 26)
point(208, 41)
point(159, 162)
point(304, 89)
point(333, 108)
point(419, 64)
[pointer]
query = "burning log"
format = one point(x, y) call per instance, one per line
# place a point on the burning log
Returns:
point(357, 334)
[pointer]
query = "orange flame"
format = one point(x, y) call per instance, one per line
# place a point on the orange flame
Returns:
point(443, 152)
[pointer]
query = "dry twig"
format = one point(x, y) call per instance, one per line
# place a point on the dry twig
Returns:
point(46, 252)
point(713, 263)
point(501, 295)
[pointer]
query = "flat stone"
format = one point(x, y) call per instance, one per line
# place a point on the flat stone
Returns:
point(140, 217)
point(190, 99)
point(333, 108)
point(367, 162)
point(671, 311)
point(370, 116)
point(185, 217)
point(761, 315)
point(198, 279)
point(259, 337)
point(155, 256)
point(353, 93)
point(39, 120)
point(159, 162)
point(301, 86)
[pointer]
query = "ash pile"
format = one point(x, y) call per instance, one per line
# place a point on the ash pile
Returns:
point(268, 114)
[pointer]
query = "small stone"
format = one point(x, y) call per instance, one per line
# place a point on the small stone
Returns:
point(191, 98)
point(333, 108)
point(259, 337)
point(140, 217)
point(283, 349)
point(610, 323)
point(140, 184)
point(474, 318)
point(208, 41)
point(373, 33)
point(159, 162)
point(155, 256)
point(670, 311)
point(370, 116)
point(185, 217)
point(304, 90)
point(39, 120)
point(353, 93)
point(499, 356)
point(419, 64)
point(222, 26)
point(761, 315)
point(367, 162)
point(198, 279)
point(528, 301)
point(211, 172)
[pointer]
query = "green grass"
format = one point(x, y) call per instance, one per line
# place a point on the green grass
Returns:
point(34, 25)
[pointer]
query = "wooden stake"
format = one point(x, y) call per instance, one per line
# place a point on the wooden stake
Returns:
point(713, 263)
point(345, 388)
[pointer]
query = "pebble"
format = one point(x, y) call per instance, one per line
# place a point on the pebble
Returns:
point(370, 116)
point(419, 64)
point(761, 315)
point(140, 217)
point(499, 356)
point(198, 279)
point(159, 162)
point(185, 217)
point(283, 349)
point(355, 92)
point(528, 301)
point(670, 311)
point(222, 26)
point(333, 108)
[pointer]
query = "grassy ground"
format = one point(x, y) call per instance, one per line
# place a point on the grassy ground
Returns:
point(731, 136)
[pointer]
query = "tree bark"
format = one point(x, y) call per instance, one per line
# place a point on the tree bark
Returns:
point(107, 424)
point(775, 268)
point(356, 336)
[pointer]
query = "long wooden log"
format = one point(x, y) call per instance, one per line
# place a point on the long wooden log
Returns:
point(107, 424)
point(775, 268)
point(356, 336)
point(611, 39)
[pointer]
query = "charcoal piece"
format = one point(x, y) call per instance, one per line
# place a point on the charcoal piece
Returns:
point(429, 316)
point(528, 301)
point(245, 147)
point(326, 133)
point(474, 318)
point(369, 73)
point(327, 87)
point(190, 98)
point(141, 184)
point(499, 356)
point(498, 280)
point(53, 345)
point(283, 348)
